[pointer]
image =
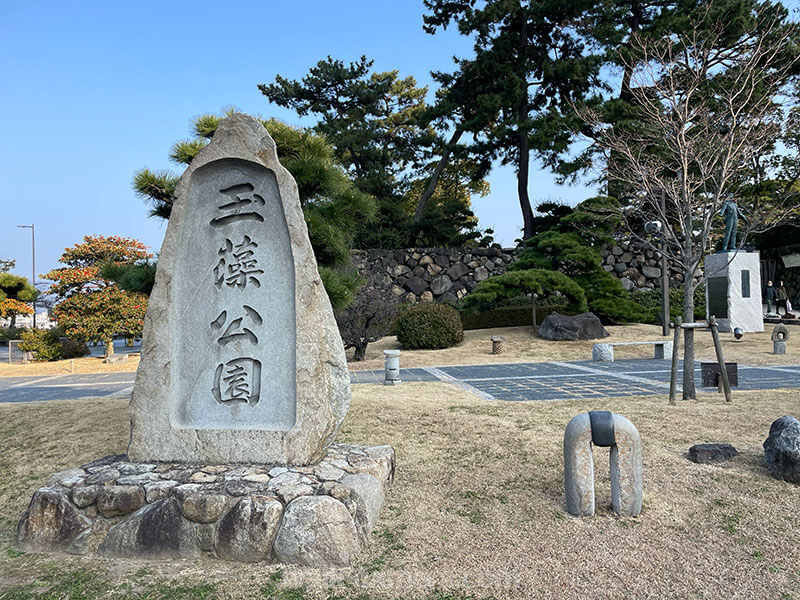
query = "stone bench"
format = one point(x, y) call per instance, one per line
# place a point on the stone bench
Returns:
point(605, 352)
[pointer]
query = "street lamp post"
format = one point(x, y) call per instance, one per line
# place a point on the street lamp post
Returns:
point(664, 274)
point(32, 227)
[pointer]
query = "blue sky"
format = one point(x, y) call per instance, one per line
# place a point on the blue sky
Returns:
point(92, 91)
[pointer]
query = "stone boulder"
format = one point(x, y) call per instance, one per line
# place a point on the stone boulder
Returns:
point(782, 449)
point(711, 453)
point(367, 493)
point(51, 521)
point(317, 530)
point(585, 326)
point(157, 530)
point(246, 533)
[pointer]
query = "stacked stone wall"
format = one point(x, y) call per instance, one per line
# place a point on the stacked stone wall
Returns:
point(449, 274)
point(428, 274)
point(639, 267)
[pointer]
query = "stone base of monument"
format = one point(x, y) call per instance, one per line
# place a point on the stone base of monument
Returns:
point(733, 290)
point(317, 515)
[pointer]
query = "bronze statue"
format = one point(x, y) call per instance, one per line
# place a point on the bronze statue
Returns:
point(731, 213)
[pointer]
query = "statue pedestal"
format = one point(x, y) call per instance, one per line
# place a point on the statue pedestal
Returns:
point(733, 290)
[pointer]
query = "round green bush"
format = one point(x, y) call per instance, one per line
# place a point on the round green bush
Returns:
point(429, 326)
point(50, 344)
point(73, 348)
point(42, 343)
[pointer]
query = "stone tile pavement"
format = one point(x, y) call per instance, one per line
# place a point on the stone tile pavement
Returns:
point(522, 382)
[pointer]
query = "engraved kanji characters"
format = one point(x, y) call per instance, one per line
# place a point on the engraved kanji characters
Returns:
point(235, 330)
point(238, 380)
point(237, 264)
point(242, 198)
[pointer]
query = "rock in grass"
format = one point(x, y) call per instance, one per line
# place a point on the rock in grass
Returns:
point(711, 453)
point(782, 449)
point(585, 326)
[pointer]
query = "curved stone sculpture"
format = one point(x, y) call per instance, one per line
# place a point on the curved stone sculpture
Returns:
point(602, 428)
point(780, 333)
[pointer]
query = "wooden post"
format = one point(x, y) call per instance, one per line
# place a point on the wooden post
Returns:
point(723, 373)
point(673, 379)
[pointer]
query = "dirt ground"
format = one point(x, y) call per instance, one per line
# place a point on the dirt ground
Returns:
point(477, 508)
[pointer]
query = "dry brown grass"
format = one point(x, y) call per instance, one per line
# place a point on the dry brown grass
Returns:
point(478, 500)
point(86, 364)
point(522, 346)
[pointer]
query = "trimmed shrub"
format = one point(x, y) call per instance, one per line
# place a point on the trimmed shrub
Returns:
point(42, 343)
point(651, 300)
point(548, 285)
point(73, 348)
point(11, 333)
point(49, 345)
point(429, 326)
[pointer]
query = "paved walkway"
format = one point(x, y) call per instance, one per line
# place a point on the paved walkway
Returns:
point(518, 382)
point(65, 387)
point(584, 379)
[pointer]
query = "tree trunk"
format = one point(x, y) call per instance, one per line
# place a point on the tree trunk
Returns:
point(523, 142)
point(437, 173)
point(689, 392)
point(522, 187)
point(109, 346)
point(360, 351)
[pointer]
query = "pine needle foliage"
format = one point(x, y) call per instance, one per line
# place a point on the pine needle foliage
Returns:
point(334, 208)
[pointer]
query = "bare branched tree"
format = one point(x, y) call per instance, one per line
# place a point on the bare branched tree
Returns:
point(708, 104)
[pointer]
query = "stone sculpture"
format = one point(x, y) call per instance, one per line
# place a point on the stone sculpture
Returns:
point(779, 337)
point(602, 428)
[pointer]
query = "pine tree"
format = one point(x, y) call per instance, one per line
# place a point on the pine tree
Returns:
point(532, 60)
point(385, 135)
point(333, 207)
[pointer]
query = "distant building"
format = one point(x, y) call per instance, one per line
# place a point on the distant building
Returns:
point(42, 321)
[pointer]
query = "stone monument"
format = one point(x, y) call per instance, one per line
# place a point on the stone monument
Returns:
point(240, 392)
point(733, 290)
point(241, 358)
